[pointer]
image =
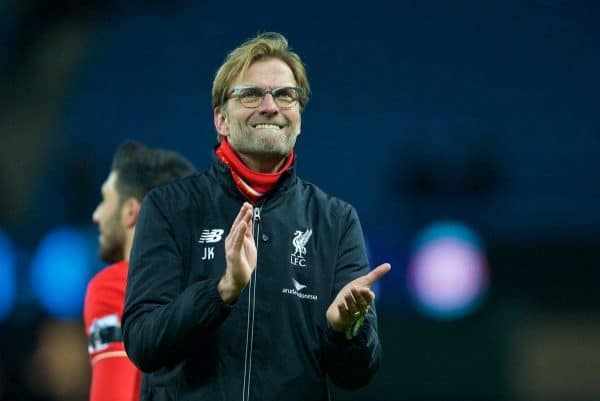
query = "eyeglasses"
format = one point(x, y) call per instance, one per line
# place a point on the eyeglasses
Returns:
point(251, 97)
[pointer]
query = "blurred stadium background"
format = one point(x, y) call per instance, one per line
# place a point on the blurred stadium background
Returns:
point(463, 132)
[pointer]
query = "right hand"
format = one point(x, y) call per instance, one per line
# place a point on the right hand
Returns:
point(354, 300)
point(240, 255)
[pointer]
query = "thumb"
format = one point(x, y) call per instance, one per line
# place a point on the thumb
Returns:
point(375, 274)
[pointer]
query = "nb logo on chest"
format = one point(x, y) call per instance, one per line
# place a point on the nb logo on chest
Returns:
point(210, 237)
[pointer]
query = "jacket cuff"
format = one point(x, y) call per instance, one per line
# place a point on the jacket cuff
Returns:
point(215, 298)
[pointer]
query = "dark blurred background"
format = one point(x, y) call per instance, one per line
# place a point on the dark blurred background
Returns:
point(463, 132)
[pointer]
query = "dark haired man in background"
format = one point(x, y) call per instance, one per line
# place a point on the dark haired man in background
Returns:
point(135, 170)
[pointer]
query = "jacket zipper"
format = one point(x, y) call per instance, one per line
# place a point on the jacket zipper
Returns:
point(251, 308)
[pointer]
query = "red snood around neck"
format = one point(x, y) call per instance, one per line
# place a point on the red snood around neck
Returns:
point(252, 184)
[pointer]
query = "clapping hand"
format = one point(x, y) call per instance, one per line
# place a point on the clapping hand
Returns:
point(240, 255)
point(353, 301)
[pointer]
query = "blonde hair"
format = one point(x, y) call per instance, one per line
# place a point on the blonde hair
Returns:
point(264, 46)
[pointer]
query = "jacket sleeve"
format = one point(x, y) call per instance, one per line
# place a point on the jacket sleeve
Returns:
point(115, 378)
point(352, 363)
point(162, 318)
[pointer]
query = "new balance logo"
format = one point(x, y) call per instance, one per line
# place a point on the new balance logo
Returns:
point(211, 236)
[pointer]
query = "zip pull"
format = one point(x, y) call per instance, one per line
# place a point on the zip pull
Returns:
point(257, 214)
point(259, 227)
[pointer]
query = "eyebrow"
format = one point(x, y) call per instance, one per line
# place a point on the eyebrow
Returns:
point(264, 87)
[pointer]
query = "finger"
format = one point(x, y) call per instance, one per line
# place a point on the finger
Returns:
point(361, 305)
point(351, 304)
point(250, 224)
point(353, 312)
point(247, 229)
point(249, 232)
point(237, 237)
point(362, 297)
point(243, 220)
point(368, 295)
point(241, 214)
point(343, 310)
point(249, 214)
point(375, 274)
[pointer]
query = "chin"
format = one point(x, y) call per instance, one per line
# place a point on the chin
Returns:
point(275, 146)
point(274, 153)
point(110, 254)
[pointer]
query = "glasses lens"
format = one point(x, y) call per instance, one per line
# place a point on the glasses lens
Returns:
point(251, 97)
point(286, 97)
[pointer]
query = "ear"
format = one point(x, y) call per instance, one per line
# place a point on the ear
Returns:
point(130, 212)
point(221, 122)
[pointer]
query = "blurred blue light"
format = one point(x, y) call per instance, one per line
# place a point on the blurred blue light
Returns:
point(448, 229)
point(8, 281)
point(60, 271)
point(448, 272)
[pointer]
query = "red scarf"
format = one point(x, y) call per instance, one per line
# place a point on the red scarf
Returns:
point(251, 184)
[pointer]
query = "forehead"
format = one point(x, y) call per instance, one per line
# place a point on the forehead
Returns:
point(269, 73)
point(110, 184)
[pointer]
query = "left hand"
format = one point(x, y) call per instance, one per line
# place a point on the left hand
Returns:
point(353, 301)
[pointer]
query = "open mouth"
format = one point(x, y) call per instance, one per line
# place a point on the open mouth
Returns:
point(267, 126)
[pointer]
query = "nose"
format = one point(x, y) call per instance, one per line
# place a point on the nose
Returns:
point(95, 215)
point(268, 105)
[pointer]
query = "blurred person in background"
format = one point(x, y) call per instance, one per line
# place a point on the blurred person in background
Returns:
point(136, 169)
point(57, 370)
point(270, 309)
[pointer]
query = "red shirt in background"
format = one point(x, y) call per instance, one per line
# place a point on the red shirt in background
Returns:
point(114, 376)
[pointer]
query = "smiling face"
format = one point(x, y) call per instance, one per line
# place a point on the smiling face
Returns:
point(108, 218)
point(267, 132)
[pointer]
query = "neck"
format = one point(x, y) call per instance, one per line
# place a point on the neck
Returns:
point(253, 178)
point(128, 243)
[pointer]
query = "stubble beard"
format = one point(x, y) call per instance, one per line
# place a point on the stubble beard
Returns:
point(111, 253)
point(113, 248)
point(267, 145)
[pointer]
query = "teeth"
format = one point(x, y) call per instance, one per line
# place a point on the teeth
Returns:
point(266, 126)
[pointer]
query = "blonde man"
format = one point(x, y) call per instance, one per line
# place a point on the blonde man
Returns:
point(246, 282)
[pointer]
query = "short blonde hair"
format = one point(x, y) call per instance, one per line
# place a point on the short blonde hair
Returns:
point(264, 46)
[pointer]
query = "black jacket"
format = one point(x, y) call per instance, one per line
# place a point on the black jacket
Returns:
point(274, 342)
